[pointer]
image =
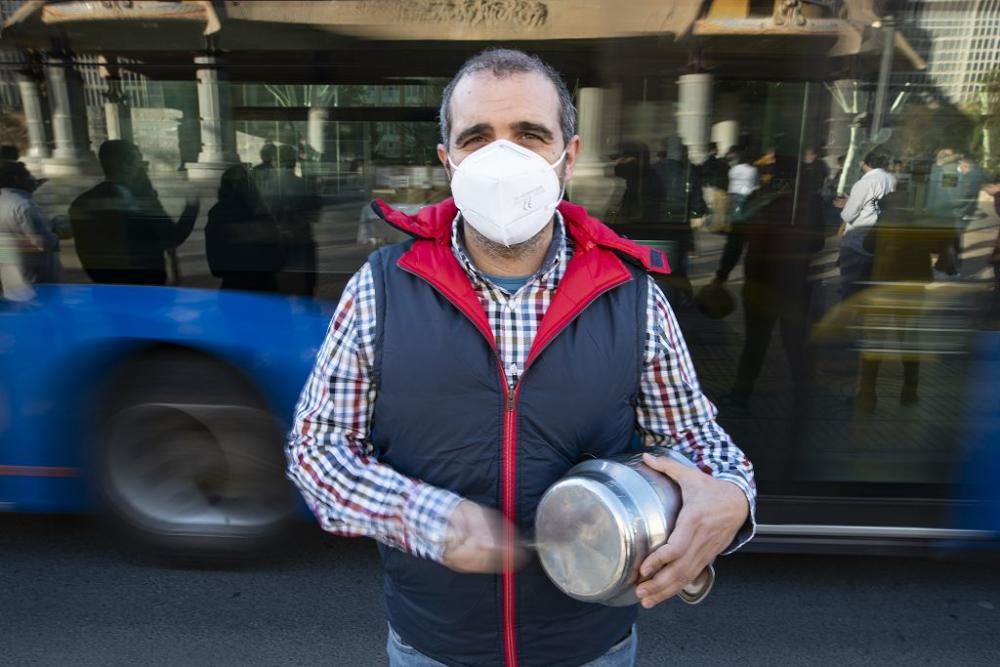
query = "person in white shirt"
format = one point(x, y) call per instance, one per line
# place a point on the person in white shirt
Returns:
point(29, 237)
point(859, 214)
point(742, 183)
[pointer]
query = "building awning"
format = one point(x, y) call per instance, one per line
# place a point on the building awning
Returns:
point(811, 28)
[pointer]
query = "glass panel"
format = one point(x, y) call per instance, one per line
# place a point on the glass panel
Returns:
point(839, 353)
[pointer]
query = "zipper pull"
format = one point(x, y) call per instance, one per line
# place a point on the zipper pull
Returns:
point(510, 400)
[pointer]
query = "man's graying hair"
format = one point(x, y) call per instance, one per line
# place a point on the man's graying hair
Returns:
point(502, 63)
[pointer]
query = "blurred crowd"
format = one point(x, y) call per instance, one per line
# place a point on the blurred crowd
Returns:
point(900, 224)
point(259, 233)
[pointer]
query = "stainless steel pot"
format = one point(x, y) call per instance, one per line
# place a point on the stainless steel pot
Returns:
point(595, 526)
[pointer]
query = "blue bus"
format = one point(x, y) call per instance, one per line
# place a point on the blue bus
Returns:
point(165, 406)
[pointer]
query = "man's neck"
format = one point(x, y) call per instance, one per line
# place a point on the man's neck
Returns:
point(524, 259)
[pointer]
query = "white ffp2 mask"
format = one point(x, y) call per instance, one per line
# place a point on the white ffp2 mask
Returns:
point(506, 192)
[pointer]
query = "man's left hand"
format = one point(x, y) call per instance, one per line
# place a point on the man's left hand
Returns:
point(712, 513)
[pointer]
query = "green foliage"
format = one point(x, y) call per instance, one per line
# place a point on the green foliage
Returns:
point(927, 128)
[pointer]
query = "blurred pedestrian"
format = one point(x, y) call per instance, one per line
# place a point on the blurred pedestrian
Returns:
point(814, 172)
point(263, 170)
point(781, 234)
point(676, 199)
point(742, 183)
point(765, 165)
point(122, 232)
point(715, 180)
point(30, 237)
point(294, 208)
point(993, 190)
point(859, 214)
point(242, 241)
point(632, 165)
point(901, 245)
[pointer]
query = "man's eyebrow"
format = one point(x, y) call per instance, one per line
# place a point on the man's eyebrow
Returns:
point(478, 128)
point(527, 126)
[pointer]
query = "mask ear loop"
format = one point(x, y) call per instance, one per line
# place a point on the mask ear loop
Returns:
point(562, 182)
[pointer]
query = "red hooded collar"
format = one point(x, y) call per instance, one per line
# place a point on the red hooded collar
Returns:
point(435, 223)
point(595, 268)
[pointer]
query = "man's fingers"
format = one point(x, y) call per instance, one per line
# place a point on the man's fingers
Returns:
point(675, 470)
point(660, 558)
point(667, 582)
point(678, 543)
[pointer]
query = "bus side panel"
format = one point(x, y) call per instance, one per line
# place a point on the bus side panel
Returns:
point(981, 458)
point(61, 351)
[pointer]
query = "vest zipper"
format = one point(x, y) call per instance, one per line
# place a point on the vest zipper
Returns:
point(507, 507)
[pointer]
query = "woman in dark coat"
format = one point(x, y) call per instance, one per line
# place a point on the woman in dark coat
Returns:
point(242, 241)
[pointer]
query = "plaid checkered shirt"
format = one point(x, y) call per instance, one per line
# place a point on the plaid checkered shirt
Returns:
point(333, 463)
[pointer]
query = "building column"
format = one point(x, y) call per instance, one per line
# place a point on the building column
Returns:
point(218, 135)
point(316, 129)
point(117, 112)
point(34, 115)
point(72, 154)
point(594, 184)
point(694, 114)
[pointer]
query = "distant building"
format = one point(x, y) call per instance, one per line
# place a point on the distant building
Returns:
point(960, 41)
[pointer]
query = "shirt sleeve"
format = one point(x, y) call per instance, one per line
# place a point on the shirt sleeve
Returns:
point(36, 229)
point(672, 411)
point(330, 457)
point(860, 194)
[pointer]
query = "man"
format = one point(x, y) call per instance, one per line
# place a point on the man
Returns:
point(859, 213)
point(467, 370)
point(122, 232)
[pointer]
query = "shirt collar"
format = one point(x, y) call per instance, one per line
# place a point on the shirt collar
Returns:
point(552, 268)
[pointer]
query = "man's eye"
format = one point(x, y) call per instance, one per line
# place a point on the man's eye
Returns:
point(531, 137)
point(473, 141)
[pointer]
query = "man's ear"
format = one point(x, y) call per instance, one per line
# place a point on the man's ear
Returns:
point(572, 153)
point(442, 153)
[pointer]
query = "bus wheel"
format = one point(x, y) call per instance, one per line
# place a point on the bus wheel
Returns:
point(190, 459)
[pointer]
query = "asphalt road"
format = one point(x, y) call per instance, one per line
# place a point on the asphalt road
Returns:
point(71, 596)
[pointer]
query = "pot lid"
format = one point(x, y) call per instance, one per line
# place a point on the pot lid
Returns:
point(583, 536)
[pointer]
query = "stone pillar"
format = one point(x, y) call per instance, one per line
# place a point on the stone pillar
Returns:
point(594, 185)
point(72, 154)
point(726, 134)
point(34, 116)
point(694, 114)
point(117, 112)
point(316, 129)
point(218, 134)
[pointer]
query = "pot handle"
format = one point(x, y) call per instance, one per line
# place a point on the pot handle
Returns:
point(698, 589)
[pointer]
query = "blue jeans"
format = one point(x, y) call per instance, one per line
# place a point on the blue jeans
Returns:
point(402, 654)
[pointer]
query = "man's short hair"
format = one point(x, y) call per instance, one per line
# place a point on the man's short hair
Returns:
point(877, 160)
point(116, 155)
point(502, 63)
point(268, 153)
point(287, 156)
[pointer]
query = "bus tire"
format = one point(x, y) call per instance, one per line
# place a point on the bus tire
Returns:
point(189, 460)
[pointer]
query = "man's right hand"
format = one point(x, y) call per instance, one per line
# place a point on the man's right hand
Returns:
point(475, 540)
